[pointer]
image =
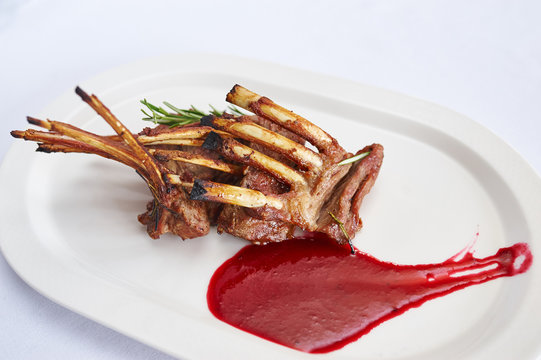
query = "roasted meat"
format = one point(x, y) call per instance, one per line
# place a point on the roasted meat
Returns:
point(168, 180)
point(323, 194)
point(251, 175)
point(241, 221)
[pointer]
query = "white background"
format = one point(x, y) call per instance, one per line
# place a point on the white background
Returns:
point(479, 58)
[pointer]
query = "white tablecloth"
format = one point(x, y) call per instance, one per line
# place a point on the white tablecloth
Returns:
point(480, 58)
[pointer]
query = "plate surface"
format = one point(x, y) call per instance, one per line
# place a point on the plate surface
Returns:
point(69, 225)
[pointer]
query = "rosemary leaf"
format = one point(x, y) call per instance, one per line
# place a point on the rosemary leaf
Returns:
point(340, 224)
point(354, 158)
point(343, 228)
point(235, 110)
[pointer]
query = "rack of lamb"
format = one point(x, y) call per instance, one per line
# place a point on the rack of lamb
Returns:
point(252, 176)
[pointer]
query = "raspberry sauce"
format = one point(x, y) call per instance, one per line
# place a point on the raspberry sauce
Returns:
point(313, 295)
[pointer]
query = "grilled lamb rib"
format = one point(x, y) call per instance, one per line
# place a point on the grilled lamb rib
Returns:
point(269, 184)
point(323, 194)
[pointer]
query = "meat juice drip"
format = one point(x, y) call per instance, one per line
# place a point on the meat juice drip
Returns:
point(315, 296)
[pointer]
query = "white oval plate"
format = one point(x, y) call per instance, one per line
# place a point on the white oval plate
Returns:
point(69, 225)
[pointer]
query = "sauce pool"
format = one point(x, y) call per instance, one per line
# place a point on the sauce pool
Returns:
point(313, 295)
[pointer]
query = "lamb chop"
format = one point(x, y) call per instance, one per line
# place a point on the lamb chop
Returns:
point(167, 173)
point(324, 192)
point(240, 221)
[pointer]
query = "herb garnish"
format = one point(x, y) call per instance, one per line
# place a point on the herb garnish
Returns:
point(178, 117)
point(354, 158)
point(343, 228)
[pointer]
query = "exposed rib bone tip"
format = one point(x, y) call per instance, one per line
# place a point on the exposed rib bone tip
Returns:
point(43, 149)
point(17, 134)
point(234, 89)
point(82, 94)
point(33, 120)
point(212, 142)
point(198, 190)
point(207, 120)
point(36, 121)
point(232, 92)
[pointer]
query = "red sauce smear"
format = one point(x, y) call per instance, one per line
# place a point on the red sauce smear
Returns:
point(315, 296)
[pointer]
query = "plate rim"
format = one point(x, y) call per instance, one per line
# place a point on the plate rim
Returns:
point(493, 149)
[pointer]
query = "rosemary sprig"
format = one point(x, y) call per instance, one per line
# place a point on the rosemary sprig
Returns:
point(235, 110)
point(343, 228)
point(178, 117)
point(354, 158)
